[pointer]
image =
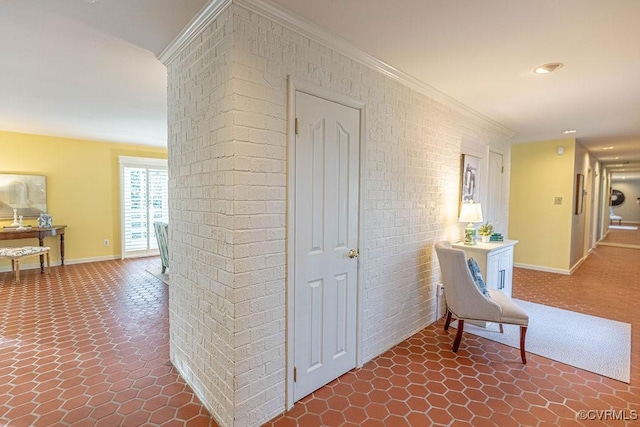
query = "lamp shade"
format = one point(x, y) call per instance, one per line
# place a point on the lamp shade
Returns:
point(471, 212)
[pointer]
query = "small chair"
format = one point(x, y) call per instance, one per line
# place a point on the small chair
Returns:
point(162, 234)
point(466, 302)
point(16, 254)
point(614, 217)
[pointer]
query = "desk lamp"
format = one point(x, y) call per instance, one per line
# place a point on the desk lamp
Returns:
point(470, 213)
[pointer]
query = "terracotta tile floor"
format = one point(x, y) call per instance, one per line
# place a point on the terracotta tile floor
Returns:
point(421, 382)
point(87, 345)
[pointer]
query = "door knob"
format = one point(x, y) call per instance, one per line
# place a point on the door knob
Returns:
point(353, 253)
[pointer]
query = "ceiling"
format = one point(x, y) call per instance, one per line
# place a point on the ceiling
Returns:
point(88, 68)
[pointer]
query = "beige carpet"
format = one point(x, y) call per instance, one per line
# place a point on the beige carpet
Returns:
point(159, 274)
point(595, 344)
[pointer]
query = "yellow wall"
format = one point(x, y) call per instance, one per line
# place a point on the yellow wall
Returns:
point(83, 189)
point(538, 175)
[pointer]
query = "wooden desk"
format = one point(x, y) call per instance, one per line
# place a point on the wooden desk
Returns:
point(37, 233)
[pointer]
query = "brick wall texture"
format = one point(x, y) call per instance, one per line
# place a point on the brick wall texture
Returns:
point(228, 192)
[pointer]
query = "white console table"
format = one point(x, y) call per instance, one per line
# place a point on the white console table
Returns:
point(495, 260)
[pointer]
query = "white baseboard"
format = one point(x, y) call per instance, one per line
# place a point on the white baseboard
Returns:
point(36, 264)
point(578, 264)
point(619, 245)
point(542, 268)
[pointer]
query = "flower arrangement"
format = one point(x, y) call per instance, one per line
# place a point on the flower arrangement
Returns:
point(486, 229)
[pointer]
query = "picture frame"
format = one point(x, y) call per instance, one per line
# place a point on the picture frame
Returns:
point(579, 205)
point(617, 197)
point(26, 193)
point(470, 178)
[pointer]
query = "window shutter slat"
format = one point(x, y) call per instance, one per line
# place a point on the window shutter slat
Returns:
point(145, 199)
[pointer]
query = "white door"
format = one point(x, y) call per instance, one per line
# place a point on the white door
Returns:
point(326, 230)
point(494, 214)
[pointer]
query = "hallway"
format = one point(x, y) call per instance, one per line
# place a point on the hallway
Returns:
point(623, 237)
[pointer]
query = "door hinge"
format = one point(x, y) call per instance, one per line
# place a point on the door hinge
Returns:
point(295, 374)
point(296, 126)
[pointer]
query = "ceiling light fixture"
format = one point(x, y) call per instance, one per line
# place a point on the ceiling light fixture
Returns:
point(548, 68)
point(569, 131)
point(608, 148)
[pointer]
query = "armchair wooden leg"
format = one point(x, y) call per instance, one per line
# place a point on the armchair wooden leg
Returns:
point(501, 329)
point(456, 343)
point(523, 334)
point(448, 321)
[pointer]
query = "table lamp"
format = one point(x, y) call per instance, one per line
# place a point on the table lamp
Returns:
point(470, 213)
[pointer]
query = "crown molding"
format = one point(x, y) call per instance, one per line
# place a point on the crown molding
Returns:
point(312, 31)
point(207, 14)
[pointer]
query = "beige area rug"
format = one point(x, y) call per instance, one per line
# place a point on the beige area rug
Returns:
point(623, 227)
point(595, 344)
point(159, 274)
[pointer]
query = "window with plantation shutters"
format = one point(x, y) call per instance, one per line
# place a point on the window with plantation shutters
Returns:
point(144, 200)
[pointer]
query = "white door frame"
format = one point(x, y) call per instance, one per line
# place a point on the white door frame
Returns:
point(297, 85)
point(505, 185)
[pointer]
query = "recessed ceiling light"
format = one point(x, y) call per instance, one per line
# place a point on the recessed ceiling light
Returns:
point(567, 132)
point(548, 68)
point(608, 148)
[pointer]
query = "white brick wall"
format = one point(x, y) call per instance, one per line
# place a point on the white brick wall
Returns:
point(227, 159)
point(201, 152)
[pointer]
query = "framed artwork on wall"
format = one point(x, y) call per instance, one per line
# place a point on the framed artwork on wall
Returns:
point(579, 193)
point(617, 197)
point(25, 193)
point(470, 179)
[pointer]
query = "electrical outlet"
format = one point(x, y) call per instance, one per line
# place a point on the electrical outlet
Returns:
point(557, 200)
point(440, 289)
point(106, 242)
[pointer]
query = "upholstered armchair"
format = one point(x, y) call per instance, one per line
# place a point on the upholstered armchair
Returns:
point(465, 301)
point(614, 217)
point(162, 234)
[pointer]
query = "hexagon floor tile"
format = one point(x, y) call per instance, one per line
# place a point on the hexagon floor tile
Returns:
point(87, 345)
point(421, 382)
